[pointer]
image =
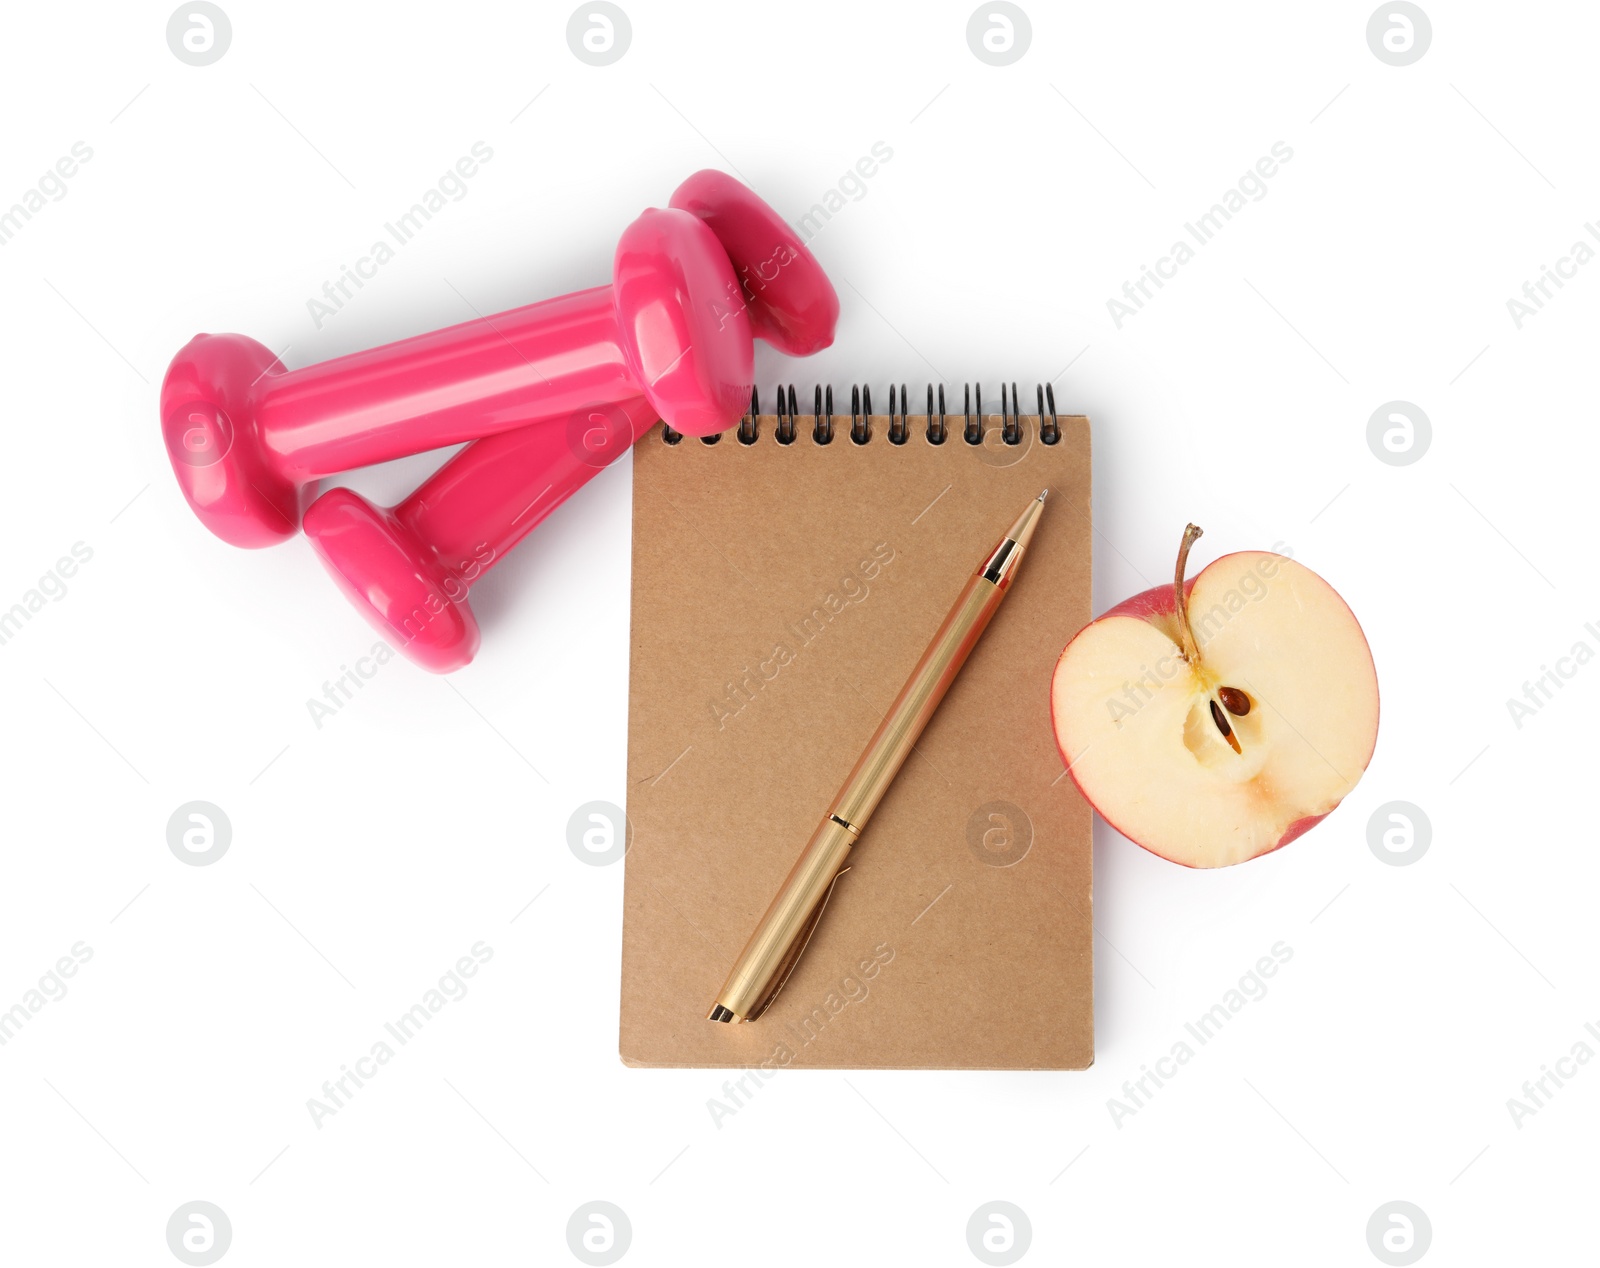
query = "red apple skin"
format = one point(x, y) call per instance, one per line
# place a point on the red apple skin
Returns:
point(1156, 601)
point(1161, 601)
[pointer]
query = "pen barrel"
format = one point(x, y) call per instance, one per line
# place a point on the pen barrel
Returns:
point(902, 727)
point(781, 936)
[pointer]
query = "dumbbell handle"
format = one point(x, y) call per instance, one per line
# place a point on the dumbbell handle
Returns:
point(249, 440)
point(445, 387)
point(410, 566)
point(687, 324)
point(492, 494)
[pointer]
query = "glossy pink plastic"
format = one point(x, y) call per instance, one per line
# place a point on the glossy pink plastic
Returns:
point(791, 303)
point(409, 568)
point(249, 439)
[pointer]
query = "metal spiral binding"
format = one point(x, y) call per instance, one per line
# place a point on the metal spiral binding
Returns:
point(1049, 431)
point(748, 426)
point(786, 413)
point(860, 418)
point(786, 410)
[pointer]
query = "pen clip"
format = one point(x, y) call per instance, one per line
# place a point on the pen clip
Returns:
point(797, 949)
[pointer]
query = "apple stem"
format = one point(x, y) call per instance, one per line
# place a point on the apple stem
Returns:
point(1190, 649)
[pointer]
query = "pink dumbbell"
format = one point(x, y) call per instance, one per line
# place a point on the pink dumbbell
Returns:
point(409, 567)
point(249, 440)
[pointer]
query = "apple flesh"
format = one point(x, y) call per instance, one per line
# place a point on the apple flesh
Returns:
point(1215, 720)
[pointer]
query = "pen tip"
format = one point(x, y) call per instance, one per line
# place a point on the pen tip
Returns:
point(720, 1013)
point(1041, 496)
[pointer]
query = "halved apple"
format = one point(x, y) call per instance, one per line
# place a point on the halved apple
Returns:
point(1215, 721)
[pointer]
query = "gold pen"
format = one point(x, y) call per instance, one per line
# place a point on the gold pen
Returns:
point(775, 947)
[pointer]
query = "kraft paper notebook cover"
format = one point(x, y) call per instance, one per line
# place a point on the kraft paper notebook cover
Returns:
point(781, 595)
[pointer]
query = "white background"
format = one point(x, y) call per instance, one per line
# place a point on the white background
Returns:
point(369, 854)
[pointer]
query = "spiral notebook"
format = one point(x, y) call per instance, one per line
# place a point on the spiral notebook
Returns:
point(786, 578)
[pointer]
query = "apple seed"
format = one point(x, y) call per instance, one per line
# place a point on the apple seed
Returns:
point(1222, 725)
point(1234, 701)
